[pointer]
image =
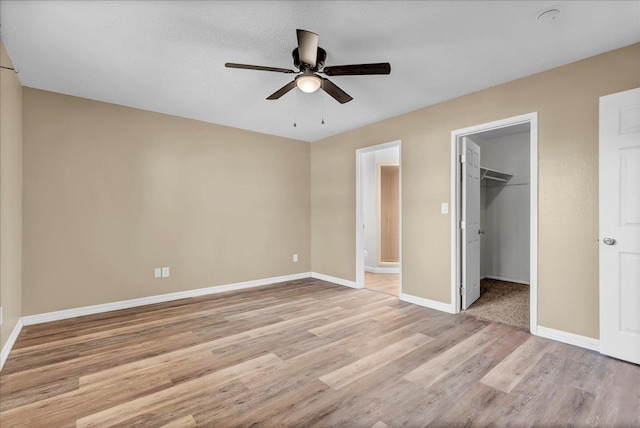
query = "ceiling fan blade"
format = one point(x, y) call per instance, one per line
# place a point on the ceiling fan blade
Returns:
point(330, 88)
point(258, 67)
point(358, 69)
point(307, 47)
point(280, 92)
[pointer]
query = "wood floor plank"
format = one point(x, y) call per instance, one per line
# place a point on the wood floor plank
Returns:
point(116, 331)
point(39, 359)
point(22, 396)
point(183, 422)
point(291, 322)
point(85, 365)
point(279, 309)
point(183, 390)
point(477, 396)
point(526, 403)
point(341, 322)
point(170, 357)
point(159, 361)
point(300, 369)
point(569, 405)
point(78, 403)
point(450, 391)
point(376, 340)
point(396, 398)
point(305, 353)
point(619, 385)
point(366, 365)
point(515, 367)
point(388, 283)
point(440, 366)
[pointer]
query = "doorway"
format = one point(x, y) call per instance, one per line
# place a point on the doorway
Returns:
point(494, 221)
point(378, 218)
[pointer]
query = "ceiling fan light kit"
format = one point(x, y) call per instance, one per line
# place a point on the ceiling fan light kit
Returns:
point(308, 83)
point(309, 59)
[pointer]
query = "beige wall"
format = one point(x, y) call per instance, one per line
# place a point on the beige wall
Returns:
point(111, 192)
point(566, 100)
point(10, 197)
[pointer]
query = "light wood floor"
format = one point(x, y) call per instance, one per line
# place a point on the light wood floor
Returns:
point(305, 353)
point(388, 283)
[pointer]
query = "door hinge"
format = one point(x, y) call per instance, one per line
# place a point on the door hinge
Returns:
point(462, 158)
point(461, 290)
point(462, 224)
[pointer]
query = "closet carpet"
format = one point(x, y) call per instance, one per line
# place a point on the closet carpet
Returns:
point(504, 302)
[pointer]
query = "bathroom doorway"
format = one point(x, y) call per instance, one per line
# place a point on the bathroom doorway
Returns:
point(378, 240)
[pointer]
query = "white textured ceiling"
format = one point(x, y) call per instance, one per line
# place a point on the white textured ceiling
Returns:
point(169, 56)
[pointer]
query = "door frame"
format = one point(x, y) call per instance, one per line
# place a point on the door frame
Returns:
point(456, 191)
point(360, 210)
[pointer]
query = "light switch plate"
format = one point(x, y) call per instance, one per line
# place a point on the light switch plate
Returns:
point(157, 273)
point(444, 208)
point(165, 272)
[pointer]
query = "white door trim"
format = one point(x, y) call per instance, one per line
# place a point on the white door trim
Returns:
point(360, 210)
point(532, 119)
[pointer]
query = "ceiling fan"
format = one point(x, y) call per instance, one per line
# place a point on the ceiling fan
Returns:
point(309, 59)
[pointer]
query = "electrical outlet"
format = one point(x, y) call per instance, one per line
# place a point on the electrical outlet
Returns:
point(365, 254)
point(444, 208)
point(295, 258)
point(165, 272)
point(157, 273)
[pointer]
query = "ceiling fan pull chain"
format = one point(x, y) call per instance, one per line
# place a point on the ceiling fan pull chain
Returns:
point(322, 107)
point(295, 111)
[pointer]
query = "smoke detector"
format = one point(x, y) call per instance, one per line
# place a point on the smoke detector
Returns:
point(549, 15)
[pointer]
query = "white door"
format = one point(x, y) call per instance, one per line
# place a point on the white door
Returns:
point(471, 222)
point(620, 225)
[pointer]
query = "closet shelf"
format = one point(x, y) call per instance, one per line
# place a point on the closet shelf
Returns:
point(491, 174)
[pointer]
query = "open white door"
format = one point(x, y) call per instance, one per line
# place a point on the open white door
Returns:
point(620, 225)
point(470, 222)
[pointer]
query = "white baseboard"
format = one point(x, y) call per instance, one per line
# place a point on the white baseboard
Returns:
point(10, 342)
point(569, 338)
point(335, 280)
point(382, 269)
point(421, 301)
point(501, 278)
point(125, 304)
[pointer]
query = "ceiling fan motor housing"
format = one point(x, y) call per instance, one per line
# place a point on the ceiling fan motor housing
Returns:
point(321, 57)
